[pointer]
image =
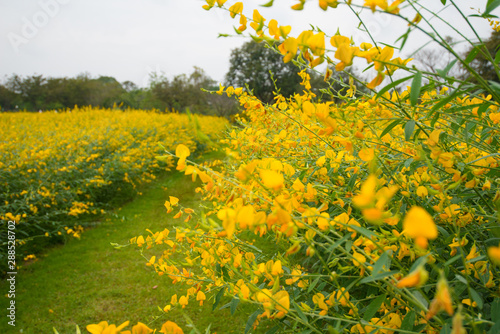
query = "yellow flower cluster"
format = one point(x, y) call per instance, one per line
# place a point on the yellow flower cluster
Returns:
point(58, 167)
point(330, 182)
point(312, 45)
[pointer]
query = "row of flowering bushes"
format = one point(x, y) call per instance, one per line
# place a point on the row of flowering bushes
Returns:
point(59, 168)
point(383, 210)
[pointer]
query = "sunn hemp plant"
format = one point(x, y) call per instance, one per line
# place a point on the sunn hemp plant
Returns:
point(383, 208)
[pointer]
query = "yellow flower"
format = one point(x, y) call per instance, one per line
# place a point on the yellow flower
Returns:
point(235, 9)
point(104, 328)
point(494, 255)
point(442, 300)
point(418, 224)
point(171, 328)
point(183, 301)
point(272, 179)
point(367, 154)
point(141, 328)
point(201, 297)
point(416, 278)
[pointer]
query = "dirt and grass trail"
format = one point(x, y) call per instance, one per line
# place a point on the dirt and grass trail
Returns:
point(88, 280)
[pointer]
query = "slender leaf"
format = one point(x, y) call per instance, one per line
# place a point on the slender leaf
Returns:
point(390, 127)
point(378, 276)
point(269, 4)
point(383, 261)
point(418, 296)
point(217, 298)
point(409, 127)
point(418, 262)
point(476, 297)
point(273, 330)
point(490, 6)
point(251, 320)
point(392, 85)
point(443, 2)
point(415, 88)
point(363, 231)
point(234, 305)
point(313, 284)
point(374, 307)
point(300, 313)
point(408, 321)
point(472, 54)
point(442, 73)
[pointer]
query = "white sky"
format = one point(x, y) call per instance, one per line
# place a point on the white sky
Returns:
point(128, 39)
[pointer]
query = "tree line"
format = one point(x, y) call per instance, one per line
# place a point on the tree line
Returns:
point(251, 66)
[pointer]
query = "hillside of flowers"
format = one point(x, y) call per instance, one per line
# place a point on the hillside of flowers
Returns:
point(59, 169)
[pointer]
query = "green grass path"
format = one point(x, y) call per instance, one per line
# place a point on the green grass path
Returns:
point(87, 280)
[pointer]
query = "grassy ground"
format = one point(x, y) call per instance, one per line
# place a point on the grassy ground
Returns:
point(87, 280)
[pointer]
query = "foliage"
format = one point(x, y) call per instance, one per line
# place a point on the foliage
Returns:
point(262, 69)
point(482, 62)
point(58, 168)
point(183, 92)
point(383, 209)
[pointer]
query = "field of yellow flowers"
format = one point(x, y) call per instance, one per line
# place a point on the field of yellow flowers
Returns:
point(57, 169)
point(383, 209)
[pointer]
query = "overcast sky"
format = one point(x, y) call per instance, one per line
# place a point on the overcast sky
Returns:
point(128, 39)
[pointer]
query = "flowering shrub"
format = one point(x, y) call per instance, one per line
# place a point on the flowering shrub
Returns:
point(56, 168)
point(382, 210)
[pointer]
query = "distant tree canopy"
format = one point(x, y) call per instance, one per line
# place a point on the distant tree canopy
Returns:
point(36, 92)
point(481, 64)
point(251, 64)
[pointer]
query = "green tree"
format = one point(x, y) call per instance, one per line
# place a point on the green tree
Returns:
point(250, 66)
point(481, 63)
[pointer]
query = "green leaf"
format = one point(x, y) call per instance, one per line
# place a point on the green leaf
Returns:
point(476, 297)
point(218, 297)
point(392, 85)
point(374, 307)
point(300, 313)
point(409, 127)
point(442, 73)
point(443, 102)
point(251, 320)
point(78, 330)
point(418, 262)
point(415, 88)
point(495, 309)
point(313, 284)
point(472, 54)
point(55, 330)
point(269, 4)
point(490, 6)
point(363, 231)
point(234, 305)
point(378, 276)
point(497, 57)
point(494, 85)
point(390, 127)
point(384, 261)
point(273, 330)
point(207, 330)
point(443, 2)
point(408, 321)
point(418, 296)
point(453, 259)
